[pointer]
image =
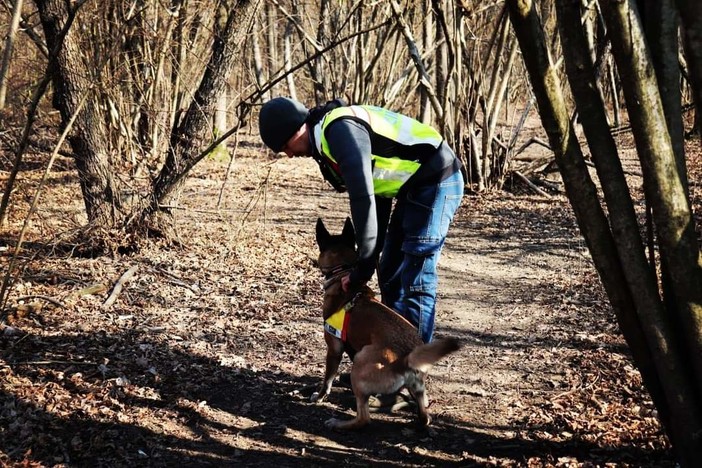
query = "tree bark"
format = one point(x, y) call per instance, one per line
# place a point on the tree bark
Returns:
point(668, 196)
point(661, 24)
point(589, 214)
point(71, 76)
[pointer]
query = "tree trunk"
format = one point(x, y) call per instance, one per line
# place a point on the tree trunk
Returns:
point(635, 300)
point(71, 74)
point(194, 133)
point(671, 207)
point(220, 124)
point(661, 24)
point(258, 61)
point(589, 214)
point(287, 57)
point(272, 33)
point(424, 79)
point(7, 53)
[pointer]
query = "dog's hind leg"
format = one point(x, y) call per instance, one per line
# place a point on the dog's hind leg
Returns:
point(415, 384)
point(335, 351)
point(370, 375)
point(362, 416)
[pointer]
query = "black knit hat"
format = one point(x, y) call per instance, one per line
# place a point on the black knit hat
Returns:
point(278, 121)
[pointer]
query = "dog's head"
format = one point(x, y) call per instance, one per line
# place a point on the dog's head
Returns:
point(336, 252)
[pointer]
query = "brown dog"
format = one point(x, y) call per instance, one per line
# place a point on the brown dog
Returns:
point(386, 350)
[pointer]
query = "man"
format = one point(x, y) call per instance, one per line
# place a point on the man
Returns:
point(376, 156)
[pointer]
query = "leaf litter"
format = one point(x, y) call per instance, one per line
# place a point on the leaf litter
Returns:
point(210, 351)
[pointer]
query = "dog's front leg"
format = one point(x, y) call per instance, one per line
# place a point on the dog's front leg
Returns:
point(335, 351)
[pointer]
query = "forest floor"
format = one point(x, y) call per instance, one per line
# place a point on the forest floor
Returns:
point(210, 351)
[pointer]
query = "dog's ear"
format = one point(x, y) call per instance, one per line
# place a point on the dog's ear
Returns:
point(348, 234)
point(323, 235)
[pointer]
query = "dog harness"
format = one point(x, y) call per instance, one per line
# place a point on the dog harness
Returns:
point(337, 324)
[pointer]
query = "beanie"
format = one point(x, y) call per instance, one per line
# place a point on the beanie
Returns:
point(278, 121)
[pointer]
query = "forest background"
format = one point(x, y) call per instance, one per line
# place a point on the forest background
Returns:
point(131, 96)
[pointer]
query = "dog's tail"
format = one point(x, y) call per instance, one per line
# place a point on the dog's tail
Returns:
point(423, 357)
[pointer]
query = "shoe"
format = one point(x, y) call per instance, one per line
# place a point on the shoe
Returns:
point(389, 403)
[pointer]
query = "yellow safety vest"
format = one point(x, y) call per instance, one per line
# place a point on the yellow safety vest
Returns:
point(389, 173)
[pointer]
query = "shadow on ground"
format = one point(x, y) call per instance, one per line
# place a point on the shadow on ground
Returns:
point(227, 416)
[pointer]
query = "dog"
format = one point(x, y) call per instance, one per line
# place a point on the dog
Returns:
point(387, 352)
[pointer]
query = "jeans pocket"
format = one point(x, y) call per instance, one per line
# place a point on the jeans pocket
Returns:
point(431, 226)
point(419, 212)
point(451, 204)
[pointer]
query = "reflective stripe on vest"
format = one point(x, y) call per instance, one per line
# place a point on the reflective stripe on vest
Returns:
point(389, 173)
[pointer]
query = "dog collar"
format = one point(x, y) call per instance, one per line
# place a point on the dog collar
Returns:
point(332, 276)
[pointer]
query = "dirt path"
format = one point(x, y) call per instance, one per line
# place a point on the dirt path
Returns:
point(209, 355)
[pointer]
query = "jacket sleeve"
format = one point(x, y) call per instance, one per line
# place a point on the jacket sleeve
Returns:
point(350, 145)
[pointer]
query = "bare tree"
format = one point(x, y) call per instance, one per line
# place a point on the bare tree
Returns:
point(7, 51)
point(95, 159)
point(194, 132)
point(691, 17)
point(664, 341)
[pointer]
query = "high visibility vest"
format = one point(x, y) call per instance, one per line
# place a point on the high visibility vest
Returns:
point(389, 172)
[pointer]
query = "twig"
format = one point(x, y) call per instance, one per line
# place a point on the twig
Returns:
point(173, 279)
point(229, 171)
point(46, 298)
point(531, 184)
point(529, 142)
point(126, 276)
point(74, 363)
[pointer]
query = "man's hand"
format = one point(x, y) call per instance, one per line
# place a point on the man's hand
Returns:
point(345, 282)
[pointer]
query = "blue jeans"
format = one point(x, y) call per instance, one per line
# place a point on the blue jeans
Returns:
point(416, 233)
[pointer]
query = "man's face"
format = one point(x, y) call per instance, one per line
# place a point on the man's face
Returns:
point(298, 144)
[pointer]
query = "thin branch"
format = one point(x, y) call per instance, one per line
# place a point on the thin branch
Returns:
point(45, 298)
point(425, 79)
point(119, 285)
point(531, 184)
point(35, 202)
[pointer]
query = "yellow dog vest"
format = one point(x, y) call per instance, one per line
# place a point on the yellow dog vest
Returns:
point(337, 324)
